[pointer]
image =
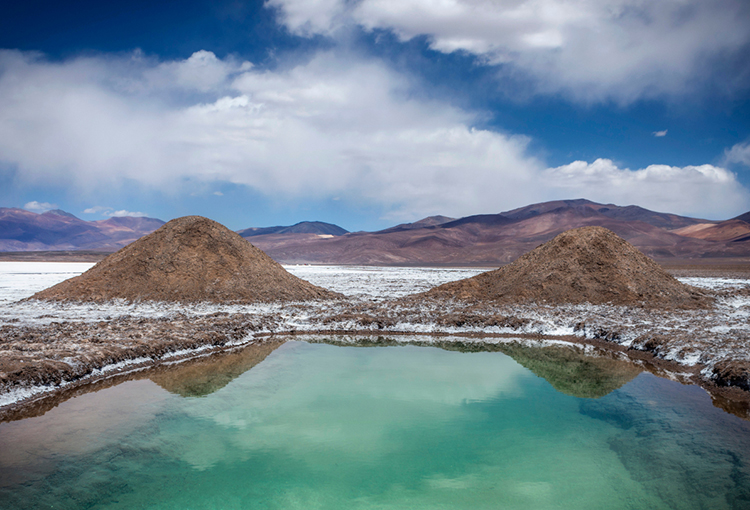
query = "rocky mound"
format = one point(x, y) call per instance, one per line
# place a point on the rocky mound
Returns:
point(589, 264)
point(189, 259)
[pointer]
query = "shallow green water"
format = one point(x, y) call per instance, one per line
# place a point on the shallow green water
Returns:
point(322, 426)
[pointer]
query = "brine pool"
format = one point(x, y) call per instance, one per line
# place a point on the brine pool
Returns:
point(313, 425)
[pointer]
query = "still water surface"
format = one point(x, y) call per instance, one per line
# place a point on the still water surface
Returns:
point(323, 426)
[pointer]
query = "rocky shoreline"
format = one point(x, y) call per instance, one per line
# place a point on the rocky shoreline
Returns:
point(42, 361)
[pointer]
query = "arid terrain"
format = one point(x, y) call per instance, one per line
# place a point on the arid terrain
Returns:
point(496, 239)
point(484, 240)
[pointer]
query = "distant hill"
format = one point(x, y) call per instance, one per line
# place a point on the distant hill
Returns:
point(734, 230)
point(583, 206)
point(495, 239)
point(430, 221)
point(22, 230)
point(303, 227)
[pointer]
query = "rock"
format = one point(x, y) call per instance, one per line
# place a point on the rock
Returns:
point(583, 265)
point(732, 373)
point(189, 259)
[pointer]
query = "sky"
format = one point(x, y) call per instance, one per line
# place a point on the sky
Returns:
point(368, 113)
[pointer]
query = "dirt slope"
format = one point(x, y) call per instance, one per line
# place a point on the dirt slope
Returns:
point(589, 264)
point(189, 259)
point(730, 230)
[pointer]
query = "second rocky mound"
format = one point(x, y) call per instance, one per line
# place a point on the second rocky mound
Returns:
point(583, 265)
point(188, 259)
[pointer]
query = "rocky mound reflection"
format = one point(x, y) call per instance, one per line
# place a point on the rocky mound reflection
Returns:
point(203, 376)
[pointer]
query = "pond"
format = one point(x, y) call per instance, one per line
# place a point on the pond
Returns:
point(315, 424)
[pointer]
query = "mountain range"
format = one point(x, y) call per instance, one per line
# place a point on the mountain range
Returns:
point(303, 227)
point(22, 230)
point(495, 239)
point(485, 239)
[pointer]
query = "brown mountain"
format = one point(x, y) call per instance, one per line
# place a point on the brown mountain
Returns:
point(627, 213)
point(582, 265)
point(430, 221)
point(734, 230)
point(303, 227)
point(494, 239)
point(22, 230)
point(485, 240)
point(189, 259)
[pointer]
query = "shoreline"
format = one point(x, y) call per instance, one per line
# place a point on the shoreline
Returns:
point(37, 400)
point(46, 347)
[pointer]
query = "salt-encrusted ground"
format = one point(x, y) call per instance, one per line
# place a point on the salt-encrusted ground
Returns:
point(70, 341)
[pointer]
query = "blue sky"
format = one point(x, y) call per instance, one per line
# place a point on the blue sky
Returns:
point(372, 112)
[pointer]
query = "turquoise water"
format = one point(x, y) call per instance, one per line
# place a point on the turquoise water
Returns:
point(323, 426)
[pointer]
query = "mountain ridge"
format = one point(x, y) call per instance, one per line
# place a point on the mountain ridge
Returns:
point(483, 239)
point(497, 239)
point(303, 227)
point(56, 230)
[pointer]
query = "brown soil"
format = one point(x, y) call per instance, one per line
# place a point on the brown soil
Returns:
point(68, 351)
point(189, 259)
point(589, 264)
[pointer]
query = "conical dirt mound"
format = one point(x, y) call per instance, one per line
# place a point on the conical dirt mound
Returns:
point(188, 259)
point(583, 265)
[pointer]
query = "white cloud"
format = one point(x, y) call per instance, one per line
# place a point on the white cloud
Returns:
point(110, 212)
point(590, 49)
point(660, 134)
point(39, 207)
point(705, 190)
point(202, 72)
point(96, 209)
point(335, 126)
point(123, 212)
point(218, 193)
point(739, 153)
point(331, 126)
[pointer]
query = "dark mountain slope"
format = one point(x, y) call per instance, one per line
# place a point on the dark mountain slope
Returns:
point(22, 230)
point(303, 227)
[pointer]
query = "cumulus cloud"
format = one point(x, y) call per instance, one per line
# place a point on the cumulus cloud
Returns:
point(330, 126)
point(122, 213)
point(739, 153)
point(590, 49)
point(333, 126)
point(96, 209)
point(660, 134)
point(110, 212)
point(704, 190)
point(39, 207)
